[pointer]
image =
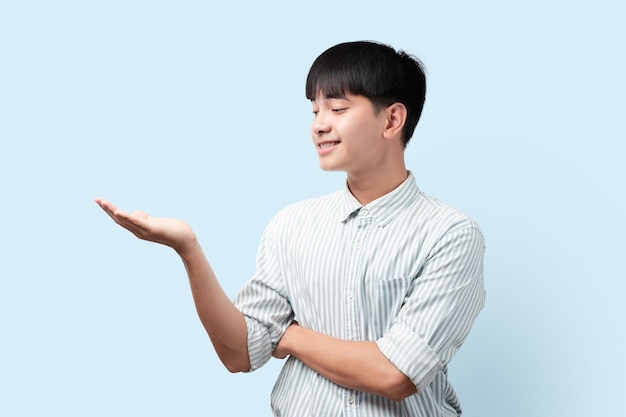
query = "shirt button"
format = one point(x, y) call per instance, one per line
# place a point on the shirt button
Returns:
point(364, 212)
point(350, 295)
point(350, 400)
point(357, 246)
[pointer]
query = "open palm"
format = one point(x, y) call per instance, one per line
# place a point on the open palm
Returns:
point(174, 233)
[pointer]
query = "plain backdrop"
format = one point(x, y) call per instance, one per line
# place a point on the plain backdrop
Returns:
point(196, 110)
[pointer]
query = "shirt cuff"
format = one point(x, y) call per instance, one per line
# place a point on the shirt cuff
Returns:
point(259, 345)
point(410, 354)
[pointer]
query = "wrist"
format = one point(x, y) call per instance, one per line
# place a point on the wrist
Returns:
point(287, 342)
point(189, 249)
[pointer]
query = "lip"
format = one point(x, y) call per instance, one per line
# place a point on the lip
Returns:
point(321, 151)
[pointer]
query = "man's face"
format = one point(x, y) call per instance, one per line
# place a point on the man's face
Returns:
point(348, 133)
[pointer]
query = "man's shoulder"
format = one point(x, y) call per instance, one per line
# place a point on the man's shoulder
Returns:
point(316, 206)
point(437, 212)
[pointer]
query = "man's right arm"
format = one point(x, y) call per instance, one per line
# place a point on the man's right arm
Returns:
point(224, 323)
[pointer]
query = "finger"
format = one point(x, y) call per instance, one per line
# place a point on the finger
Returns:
point(119, 216)
point(113, 211)
point(137, 222)
point(106, 205)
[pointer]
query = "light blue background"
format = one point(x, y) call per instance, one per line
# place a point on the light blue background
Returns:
point(197, 111)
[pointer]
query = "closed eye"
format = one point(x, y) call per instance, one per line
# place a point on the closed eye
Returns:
point(340, 110)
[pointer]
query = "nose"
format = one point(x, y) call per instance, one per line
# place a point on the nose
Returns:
point(320, 124)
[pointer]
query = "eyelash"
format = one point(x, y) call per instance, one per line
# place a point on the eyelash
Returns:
point(337, 110)
point(333, 110)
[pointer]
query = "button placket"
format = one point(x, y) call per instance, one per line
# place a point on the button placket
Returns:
point(353, 277)
point(351, 403)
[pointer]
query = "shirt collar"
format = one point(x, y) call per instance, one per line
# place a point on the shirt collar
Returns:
point(384, 209)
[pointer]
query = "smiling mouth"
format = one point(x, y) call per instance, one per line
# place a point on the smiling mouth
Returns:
point(326, 145)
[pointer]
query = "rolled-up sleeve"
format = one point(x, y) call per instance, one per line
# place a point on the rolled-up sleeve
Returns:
point(264, 303)
point(440, 307)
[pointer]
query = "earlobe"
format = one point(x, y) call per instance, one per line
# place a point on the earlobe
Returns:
point(396, 117)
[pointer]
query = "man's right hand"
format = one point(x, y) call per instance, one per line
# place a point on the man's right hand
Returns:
point(174, 233)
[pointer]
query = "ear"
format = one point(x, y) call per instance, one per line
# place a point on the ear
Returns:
point(396, 117)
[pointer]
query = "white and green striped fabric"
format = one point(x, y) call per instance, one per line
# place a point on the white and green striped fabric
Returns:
point(405, 271)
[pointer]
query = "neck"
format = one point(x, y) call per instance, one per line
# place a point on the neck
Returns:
point(367, 188)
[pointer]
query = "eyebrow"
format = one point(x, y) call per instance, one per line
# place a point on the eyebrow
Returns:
point(337, 96)
point(333, 97)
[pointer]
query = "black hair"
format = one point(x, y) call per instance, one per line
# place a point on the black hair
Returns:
point(373, 70)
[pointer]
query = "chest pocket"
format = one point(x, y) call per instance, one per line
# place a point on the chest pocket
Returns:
point(388, 295)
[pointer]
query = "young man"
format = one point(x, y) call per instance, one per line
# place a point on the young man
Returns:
point(371, 290)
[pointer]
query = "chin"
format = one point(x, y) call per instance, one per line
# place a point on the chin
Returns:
point(329, 167)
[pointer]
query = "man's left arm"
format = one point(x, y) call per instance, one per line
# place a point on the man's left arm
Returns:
point(436, 317)
point(357, 365)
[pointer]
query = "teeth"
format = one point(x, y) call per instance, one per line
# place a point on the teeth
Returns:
point(327, 144)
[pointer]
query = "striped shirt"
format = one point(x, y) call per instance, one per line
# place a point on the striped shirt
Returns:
point(405, 271)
